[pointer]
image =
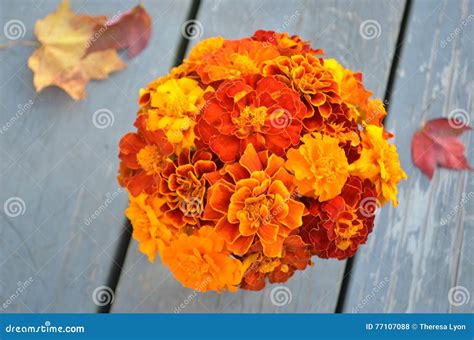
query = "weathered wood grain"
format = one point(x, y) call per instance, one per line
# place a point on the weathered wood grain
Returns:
point(333, 26)
point(422, 249)
point(63, 167)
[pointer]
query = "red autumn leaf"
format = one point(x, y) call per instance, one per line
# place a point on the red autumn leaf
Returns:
point(131, 30)
point(437, 143)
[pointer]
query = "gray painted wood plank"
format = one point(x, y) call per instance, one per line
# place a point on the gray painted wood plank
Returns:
point(333, 26)
point(422, 249)
point(63, 168)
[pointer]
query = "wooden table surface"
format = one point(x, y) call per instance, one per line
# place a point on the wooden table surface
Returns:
point(60, 169)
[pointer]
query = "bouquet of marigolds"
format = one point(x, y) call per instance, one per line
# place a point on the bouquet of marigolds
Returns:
point(253, 156)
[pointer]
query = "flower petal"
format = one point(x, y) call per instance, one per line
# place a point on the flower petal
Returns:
point(268, 232)
point(294, 218)
point(220, 197)
point(227, 230)
point(250, 159)
point(273, 249)
point(241, 245)
point(226, 147)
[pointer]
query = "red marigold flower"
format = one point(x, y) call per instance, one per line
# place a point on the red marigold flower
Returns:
point(183, 186)
point(296, 255)
point(235, 58)
point(307, 75)
point(252, 202)
point(341, 126)
point(336, 228)
point(254, 109)
point(143, 155)
point(286, 45)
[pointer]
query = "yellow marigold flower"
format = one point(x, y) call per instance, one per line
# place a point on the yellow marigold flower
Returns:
point(149, 227)
point(379, 163)
point(174, 105)
point(202, 262)
point(320, 166)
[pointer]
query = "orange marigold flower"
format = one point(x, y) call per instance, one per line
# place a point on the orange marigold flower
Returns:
point(336, 228)
point(254, 109)
point(202, 49)
point(143, 155)
point(379, 163)
point(253, 202)
point(235, 58)
point(307, 75)
point(296, 256)
point(184, 187)
point(286, 45)
point(319, 165)
point(173, 107)
point(201, 262)
point(150, 228)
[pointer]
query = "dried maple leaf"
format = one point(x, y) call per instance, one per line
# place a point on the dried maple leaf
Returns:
point(437, 143)
point(60, 61)
point(131, 30)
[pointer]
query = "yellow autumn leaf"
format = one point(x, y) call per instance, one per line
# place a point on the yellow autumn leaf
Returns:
point(61, 59)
